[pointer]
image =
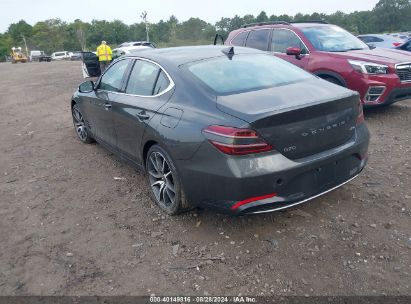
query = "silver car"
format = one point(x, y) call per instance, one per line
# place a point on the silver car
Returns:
point(382, 40)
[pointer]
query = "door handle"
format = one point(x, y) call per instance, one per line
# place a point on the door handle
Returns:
point(107, 106)
point(142, 115)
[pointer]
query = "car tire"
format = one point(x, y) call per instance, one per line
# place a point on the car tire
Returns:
point(80, 126)
point(164, 182)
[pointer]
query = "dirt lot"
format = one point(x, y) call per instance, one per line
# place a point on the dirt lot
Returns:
point(69, 228)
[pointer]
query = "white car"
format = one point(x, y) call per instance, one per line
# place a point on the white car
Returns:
point(63, 55)
point(128, 47)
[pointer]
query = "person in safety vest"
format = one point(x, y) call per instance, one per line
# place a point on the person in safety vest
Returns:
point(104, 54)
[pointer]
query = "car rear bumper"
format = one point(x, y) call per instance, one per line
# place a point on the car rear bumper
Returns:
point(277, 203)
point(269, 181)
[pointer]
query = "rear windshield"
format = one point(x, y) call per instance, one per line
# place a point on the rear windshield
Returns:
point(245, 73)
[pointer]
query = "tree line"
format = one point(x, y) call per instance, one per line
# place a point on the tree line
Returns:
point(56, 35)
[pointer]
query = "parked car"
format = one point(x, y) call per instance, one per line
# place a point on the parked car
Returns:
point(75, 55)
point(404, 35)
point(39, 56)
point(127, 47)
point(60, 55)
point(406, 46)
point(381, 76)
point(382, 40)
point(233, 128)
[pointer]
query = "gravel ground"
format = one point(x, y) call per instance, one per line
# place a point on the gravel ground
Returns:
point(68, 227)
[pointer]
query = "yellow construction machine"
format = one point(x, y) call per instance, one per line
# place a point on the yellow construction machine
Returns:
point(17, 55)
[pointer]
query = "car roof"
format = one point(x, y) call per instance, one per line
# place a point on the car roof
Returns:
point(311, 24)
point(275, 24)
point(177, 56)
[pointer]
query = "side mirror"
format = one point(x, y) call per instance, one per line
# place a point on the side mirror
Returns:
point(294, 51)
point(371, 46)
point(218, 39)
point(86, 87)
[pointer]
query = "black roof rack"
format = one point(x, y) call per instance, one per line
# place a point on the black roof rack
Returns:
point(312, 21)
point(266, 23)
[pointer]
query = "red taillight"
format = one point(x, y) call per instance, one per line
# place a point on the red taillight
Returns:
point(251, 200)
point(360, 118)
point(397, 44)
point(231, 132)
point(235, 141)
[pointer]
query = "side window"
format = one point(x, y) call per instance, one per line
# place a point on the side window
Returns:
point(162, 83)
point(146, 79)
point(376, 39)
point(366, 39)
point(258, 39)
point(112, 79)
point(283, 39)
point(239, 40)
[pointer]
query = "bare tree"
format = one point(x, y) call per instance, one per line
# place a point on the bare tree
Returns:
point(81, 37)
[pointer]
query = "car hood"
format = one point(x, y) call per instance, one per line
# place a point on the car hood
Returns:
point(378, 55)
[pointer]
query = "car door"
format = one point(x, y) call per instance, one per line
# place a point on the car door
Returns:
point(282, 39)
point(91, 66)
point(148, 88)
point(99, 111)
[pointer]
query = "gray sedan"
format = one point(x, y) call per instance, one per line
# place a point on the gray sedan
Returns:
point(233, 128)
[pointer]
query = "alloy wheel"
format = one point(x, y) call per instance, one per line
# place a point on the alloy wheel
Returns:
point(161, 179)
point(79, 124)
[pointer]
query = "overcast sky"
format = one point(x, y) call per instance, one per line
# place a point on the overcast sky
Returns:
point(128, 11)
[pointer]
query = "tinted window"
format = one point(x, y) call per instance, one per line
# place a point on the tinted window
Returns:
point(112, 78)
point(283, 39)
point(239, 40)
point(245, 73)
point(258, 39)
point(366, 39)
point(162, 83)
point(143, 79)
point(370, 39)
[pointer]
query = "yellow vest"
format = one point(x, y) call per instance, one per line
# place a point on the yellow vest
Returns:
point(104, 53)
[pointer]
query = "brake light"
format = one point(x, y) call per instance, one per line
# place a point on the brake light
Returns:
point(360, 118)
point(397, 44)
point(235, 141)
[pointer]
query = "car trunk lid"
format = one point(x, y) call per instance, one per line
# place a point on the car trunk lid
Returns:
point(298, 119)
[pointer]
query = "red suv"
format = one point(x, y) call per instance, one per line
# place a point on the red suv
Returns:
point(381, 76)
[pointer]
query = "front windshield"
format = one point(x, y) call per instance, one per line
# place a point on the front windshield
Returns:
point(333, 39)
